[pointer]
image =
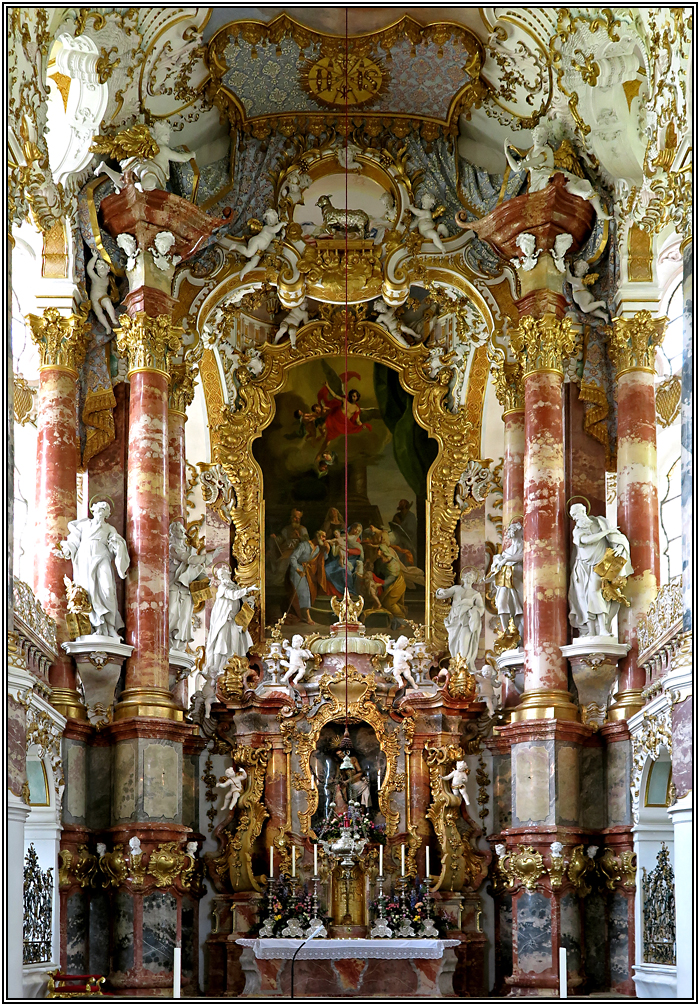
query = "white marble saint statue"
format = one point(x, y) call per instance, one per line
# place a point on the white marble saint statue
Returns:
point(539, 162)
point(260, 242)
point(507, 574)
point(295, 663)
point(225, 638)
point(401, 654)
point(425, 222)
point(95, 548)
point(100, 301)
point(589, 611)
point(581, 293)
point(292, 322)
point(386, 317)
point(463, 623)
point(457, 779)
point(233, 782)
point(151, 172)
point(184, 566)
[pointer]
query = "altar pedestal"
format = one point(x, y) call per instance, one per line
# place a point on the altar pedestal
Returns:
point(348, 968)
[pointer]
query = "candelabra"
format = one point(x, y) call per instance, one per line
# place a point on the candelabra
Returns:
point(267, 930)
point(405, 929)
point(316, 921)
point(381, 929)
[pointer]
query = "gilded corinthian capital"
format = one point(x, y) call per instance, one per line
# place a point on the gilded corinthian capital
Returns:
point(181, 393)
point(632, 342)
point(543, 343)
point(508, 380)
point(147, 342)
point(62, 339)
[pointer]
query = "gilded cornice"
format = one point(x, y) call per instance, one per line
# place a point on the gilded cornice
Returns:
point(632, 342)
point(147, 342)
point(62, 339)
point(542, 344)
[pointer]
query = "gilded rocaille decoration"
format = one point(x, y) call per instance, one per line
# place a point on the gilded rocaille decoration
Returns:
point(234, 430)
point(147, 343)
point(655, 733)
point(77, 868)
point(181, 391)
point(507, 379)
point(632, 342)
point(167, 862)
point(232, 869)
point(525, 867)
point(61, 339)
point(23, 401)
point(668, 401)
point(665, 614)
point(113, 866)
point(543, 343)
point(461, 864)
point(137, 141)
point(616, 870)
point(581, 869)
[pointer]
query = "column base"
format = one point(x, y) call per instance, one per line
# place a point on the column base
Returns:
point(545, 704)
point(155, 703)
point(626, 704)
point(67, 702)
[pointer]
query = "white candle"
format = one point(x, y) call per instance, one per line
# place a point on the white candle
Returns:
point(177, 971)
point(294, 861)
point(315, 860)
point(272, 861)
point(563, 988)
point(403, 860)
point(379, 781)
point(381, 860)
point(427, 863)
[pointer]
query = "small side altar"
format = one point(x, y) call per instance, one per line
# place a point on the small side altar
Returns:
point(333, 968)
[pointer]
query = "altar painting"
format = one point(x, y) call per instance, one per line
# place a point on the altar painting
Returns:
point(302, 457)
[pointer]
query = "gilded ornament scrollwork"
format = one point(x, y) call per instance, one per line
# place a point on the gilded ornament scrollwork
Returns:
point(581, 869)
point(147, 343)
point(655, 733)
point(543, 343)
point(181, 391)
point(508, 380)
point(166, 863)
point(632, 342)
point(461, 864)
point(114, 867)
point(61, 339)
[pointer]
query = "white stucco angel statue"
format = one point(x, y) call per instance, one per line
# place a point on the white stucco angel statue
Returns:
point(457, 779)
point(506, 574)
point(260, 242)
point(93, 546)
point(386, 317)
point(600, 564)
point(185, 565)
point(463, 623)
point(100, 301)
point(539, 162)
point(489, 681)
point(227, 637)
point(294, 185)
point(295, 663)
point(232, 780)
point(143, 150)
point(293, 321)
point(425, 221)
point(401, 654)
point(581, 281)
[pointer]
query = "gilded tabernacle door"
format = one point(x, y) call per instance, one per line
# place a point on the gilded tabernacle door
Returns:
point(285, 442)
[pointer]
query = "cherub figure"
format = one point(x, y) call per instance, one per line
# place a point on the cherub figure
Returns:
point(296, 663)
point(293, 321)
point(457, 779)
point(143, 150)
point(401, 666)
point(162, 251)
point(489, 681)
point(260, 242)
point(100, 301)
point(562, 243)
point(527, 243)
point(129, 245)
point(424, 220)
point(386, 317)
point(583, 298)
point(345, 156)
point(233, 781)
point(294, 185)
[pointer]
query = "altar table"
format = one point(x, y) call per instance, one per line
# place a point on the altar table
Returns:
point(346, 968)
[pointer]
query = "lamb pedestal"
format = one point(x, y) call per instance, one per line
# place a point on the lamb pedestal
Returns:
point(100, 660)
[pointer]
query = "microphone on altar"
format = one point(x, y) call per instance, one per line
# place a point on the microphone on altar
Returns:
point(316, 931)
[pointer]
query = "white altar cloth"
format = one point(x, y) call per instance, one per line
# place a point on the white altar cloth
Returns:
point(336, 950)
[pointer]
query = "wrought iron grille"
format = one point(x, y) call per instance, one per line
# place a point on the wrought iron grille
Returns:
point(38, 904)
point(659, 911)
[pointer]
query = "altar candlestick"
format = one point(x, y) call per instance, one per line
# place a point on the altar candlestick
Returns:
point(427, 863)
point(403, 860)
point(381, 860)
point(379, 781)
point(294, 861)
point(177, 971)
point(315, 860)
point(272, 861)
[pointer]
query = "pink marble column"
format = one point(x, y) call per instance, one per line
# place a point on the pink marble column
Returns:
point(543, 343)
point(177, 482)
point(513, 466)
point(147, 342)
point(62, 342)
point(632, 348)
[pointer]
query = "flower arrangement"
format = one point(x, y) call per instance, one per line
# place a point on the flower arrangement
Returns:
point(416, 910)
point(365, 826)
point(288, 911)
